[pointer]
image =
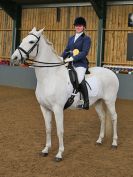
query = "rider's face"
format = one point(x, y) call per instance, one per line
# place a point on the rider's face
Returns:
point(79, 28)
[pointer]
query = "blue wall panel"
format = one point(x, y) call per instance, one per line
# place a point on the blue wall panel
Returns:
point(25, 78)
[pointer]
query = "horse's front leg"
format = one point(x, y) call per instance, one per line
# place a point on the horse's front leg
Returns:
point(58, 111)
point(47, 114)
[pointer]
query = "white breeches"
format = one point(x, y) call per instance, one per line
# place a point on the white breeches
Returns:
point(80, 73)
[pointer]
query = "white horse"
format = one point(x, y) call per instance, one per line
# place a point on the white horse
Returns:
point(54, 87)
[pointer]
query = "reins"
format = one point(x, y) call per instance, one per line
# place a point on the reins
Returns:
point(45, 64)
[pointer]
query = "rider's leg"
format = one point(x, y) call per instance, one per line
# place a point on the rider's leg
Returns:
point(80, 73)
point(84, 91)
point(82, 85)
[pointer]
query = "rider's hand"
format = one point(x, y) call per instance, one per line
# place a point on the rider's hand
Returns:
point(68, 59)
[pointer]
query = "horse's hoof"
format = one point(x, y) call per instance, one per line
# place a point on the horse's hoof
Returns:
point(43, 154)
point(114, 147)
point(98, 144)
point(57, 159)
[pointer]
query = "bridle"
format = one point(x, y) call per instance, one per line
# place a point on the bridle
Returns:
point(45, 64)
point(20, 49)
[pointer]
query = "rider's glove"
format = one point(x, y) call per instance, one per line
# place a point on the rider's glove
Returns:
point(69, 59)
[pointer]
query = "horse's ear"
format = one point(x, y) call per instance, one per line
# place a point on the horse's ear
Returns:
point(34, 29)
point(41, 31)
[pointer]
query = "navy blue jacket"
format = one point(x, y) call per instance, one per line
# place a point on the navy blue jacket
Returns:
point(83, 45)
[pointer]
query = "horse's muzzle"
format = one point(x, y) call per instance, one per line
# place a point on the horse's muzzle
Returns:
point(14, 61)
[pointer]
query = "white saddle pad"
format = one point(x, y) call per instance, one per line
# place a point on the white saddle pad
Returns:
point(93, 89)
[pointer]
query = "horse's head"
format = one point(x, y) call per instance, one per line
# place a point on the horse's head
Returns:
point(28, 47)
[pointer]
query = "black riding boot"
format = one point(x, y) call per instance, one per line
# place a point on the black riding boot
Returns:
point(84, 91)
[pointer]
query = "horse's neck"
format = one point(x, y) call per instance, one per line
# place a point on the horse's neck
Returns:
point(47, 54)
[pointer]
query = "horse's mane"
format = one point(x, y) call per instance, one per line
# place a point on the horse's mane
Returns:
point(52, 47)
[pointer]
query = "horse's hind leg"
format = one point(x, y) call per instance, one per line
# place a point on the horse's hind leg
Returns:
point(111, 108)
point(47, 117)
point(101, 113)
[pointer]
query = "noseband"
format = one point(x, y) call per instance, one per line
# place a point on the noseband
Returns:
point(45, 64)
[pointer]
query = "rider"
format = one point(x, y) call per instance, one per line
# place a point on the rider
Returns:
point(77, 49)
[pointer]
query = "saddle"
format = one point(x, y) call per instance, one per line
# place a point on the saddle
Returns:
point(73, 77)
point(74, 80)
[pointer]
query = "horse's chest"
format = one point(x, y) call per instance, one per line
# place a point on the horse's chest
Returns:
point(44, 96)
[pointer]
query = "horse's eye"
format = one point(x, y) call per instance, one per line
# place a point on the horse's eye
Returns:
point(31, 42)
